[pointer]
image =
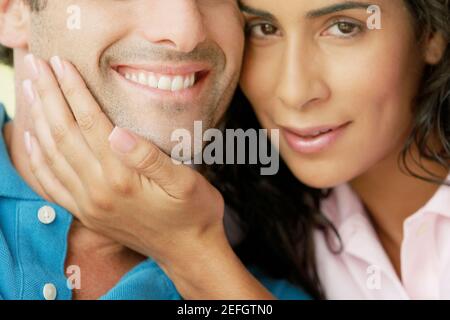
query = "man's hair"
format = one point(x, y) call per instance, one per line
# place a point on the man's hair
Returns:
point(6, 54)
point(36, 5)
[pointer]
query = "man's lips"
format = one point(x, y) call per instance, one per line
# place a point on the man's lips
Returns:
point(164, 78)
point(313, 139)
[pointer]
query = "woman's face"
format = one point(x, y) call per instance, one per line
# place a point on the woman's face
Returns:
point(314, 65)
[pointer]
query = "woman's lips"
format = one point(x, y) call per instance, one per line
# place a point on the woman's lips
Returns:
point(313, 140)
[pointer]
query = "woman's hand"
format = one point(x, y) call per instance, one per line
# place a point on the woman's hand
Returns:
point(125, 188)
point(109, 178)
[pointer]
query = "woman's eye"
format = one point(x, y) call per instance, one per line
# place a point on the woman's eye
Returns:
point(262, 30)
point(343, 29)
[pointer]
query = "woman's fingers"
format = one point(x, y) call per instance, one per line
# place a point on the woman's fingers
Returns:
point(92, 121)
point(58, 133)
point(57, 163)
point(46, 85)
point(51, 186)
point(137, 153)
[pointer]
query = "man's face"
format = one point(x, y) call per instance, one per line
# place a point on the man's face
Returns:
point(154, 66)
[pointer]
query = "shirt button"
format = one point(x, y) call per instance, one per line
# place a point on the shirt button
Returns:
point(46, 214)
point(49, 291)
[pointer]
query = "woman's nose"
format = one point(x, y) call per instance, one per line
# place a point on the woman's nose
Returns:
point(301, 83)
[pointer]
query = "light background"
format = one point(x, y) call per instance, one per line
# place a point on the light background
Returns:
point(7, 88)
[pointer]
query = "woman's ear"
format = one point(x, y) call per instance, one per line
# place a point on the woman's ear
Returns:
point(435, 47)
point(14, 23)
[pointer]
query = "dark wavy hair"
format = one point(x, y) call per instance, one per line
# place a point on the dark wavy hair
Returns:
point(280, 215)
point(432, 107)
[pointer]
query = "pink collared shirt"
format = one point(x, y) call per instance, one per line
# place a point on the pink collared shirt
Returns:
point(363, 270)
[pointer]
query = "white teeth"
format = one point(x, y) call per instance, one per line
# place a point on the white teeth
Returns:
point(313, 134)
point(142, 78)
point(152, 81)
point(318, 133)
point(162, 82)
point(165, 83)
point(177, 83)
point(187, 83)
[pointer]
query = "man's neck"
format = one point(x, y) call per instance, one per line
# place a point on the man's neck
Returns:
point(102, 262)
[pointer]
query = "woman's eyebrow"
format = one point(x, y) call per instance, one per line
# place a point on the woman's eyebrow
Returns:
point(347, 5)
point(256, 12)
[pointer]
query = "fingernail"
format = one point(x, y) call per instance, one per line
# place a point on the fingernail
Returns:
point(27, 141)
point(31, 66)
point(28, 91)
point(57, 66)
point(122, 141)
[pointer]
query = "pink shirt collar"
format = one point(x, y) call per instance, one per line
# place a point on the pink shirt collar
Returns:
point(360, 243)
point(343, 204)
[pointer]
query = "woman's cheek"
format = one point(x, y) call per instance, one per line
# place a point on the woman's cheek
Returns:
point(259, 79)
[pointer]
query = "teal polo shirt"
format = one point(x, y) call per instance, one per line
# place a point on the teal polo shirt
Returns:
point(33, 248)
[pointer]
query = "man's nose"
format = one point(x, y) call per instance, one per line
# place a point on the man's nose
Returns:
point(177, 24)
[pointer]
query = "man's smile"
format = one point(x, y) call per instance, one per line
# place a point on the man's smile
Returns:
point(162, 82)
point(165, 81)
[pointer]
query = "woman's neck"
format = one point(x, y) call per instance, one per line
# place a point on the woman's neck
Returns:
point(391, 196)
